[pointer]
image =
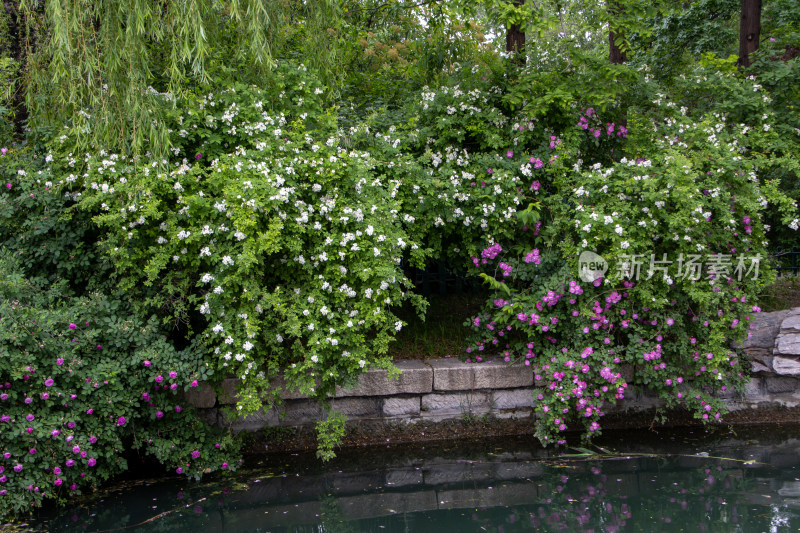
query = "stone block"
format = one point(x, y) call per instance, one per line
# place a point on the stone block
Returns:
point(790, 322)
point(401, 406)
point(202, 397)
point(785, 366)
point(299, 412)
point(754, 389)
point(278, 383)
point(464, 402)
point(512, 399)
point(358, 407)
point(780, 384)
point(757, 366)
point(764, 327)
point(452, 374)
point(415, 378)
point(788, 344)
point(227, 395)
point(497, 374)
point(253, 422)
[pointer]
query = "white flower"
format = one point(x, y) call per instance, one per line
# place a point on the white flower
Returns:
point(239, 236)
point(398, 325)
point(227, 260)
point(247, 346)
point(205, 308)
point(278, 338)
point(217, 329)
point(624, 245)
point(311, 327)
point(183, 234)
point(207, 230)
point(362, 363)
point(205, 251)
point(793, 224)
point(618, 229)
point(218, 290)
point(207, 278)
point(314, 359)
point(161, 240)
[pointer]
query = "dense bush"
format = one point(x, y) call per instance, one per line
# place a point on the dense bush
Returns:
point(271, 243)
point(84, 376)
point(677, 215)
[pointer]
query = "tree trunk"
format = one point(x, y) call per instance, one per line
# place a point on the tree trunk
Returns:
point(749, 30)
point(616, 55)
point(515, 37)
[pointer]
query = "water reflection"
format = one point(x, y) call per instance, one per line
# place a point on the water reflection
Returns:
point(676, 482)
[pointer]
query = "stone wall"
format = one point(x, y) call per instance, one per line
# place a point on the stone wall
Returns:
point(441, 389)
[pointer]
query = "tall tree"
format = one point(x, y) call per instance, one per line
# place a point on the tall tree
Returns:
point(749, 30)
point(616, 54)
point(515, 37)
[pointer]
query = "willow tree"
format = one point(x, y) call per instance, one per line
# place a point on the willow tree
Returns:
point(104, 69)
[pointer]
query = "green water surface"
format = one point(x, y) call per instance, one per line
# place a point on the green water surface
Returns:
point(693, 481)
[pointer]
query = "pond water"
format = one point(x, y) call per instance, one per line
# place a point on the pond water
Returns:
point(688, 480)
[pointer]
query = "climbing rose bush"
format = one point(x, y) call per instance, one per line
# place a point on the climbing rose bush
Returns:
point(82, 380)
point(681, 233)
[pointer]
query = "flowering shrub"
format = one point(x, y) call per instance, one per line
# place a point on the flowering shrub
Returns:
point(83, 376)
point(283, 251)
point(682, 236)
point(82, 379)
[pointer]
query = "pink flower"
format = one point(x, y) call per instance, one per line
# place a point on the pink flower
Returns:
point(72, 325)
point(147, 364)
point(159, 378)
point(92, 461)
point(48, 382)
point(179, 470)
point(121, 421)
point(195, 454)
point(173, 374)
point(510, 154)
point(198, 157)
point(194, 383)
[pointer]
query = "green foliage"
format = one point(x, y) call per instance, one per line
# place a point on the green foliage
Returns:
point(84, 377)
point(329, 434)
point(683, 190)
point(275, 244)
